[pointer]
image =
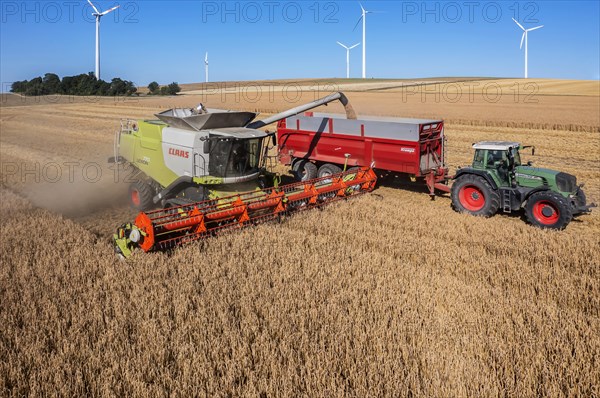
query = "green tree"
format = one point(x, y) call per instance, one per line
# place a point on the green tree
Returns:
point(35, 87)
point(51, 83)
point(173, 88)
point(153, 87)
point(130, 88)
point(19, 86)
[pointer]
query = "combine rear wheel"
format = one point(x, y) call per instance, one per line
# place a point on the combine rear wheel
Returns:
point(548, 210)
point(474, 195)
point(304, 170)
point(140, 196)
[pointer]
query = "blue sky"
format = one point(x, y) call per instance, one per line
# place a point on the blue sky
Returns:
point(166, 41)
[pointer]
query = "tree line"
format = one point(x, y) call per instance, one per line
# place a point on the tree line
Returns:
point(155, 89)
point(86, 84)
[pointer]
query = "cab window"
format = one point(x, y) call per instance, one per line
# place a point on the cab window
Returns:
point(478, 159)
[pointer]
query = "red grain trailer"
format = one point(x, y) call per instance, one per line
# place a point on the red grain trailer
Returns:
point(318, 144)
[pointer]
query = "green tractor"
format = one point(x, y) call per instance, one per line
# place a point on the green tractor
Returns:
point(497, 179)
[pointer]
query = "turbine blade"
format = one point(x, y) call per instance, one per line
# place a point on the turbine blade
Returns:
point(357, 22)
point(537, 27)
point(361, 7)
point(520, 26)
point(341, 45)
point(522, 38)
point(94, 7)
point(110, 10)
point(353, 46)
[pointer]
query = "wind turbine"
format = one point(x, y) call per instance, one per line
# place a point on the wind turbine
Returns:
point(99, 15)
point(524, 37)
point(364, 38)
point(348, 57)
point(206, 66)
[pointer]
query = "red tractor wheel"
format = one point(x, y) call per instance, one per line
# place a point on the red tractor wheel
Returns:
point(548, 209)
point(474, 195)
point(471, 198)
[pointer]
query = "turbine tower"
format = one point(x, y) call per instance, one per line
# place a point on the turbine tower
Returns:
point(206, 67)
point(348, 57)
point(524, 37)
point(363, 17)
point(97, 14)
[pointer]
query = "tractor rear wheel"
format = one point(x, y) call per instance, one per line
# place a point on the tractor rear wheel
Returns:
point(548, 209)
point(140, 195)
point(474, 195)
point(304, 170)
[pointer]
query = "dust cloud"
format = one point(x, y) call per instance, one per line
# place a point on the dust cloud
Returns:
point(79, 197)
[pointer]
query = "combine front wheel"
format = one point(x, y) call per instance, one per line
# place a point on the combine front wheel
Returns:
point(140, 196)
point(473, 194)
point(548, 210)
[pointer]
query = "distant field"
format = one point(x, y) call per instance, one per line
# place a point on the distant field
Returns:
point(467, 84)
point(391, 294)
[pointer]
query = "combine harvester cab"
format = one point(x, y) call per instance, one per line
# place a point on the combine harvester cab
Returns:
point(318, 144)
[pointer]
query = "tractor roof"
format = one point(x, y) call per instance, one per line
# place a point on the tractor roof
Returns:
point(496, 145)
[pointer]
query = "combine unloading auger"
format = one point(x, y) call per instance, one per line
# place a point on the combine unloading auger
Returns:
point(166, 228)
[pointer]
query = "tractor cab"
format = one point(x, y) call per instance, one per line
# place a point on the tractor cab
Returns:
point(500, 159)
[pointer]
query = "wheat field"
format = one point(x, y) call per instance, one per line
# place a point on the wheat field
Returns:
point(389, 294)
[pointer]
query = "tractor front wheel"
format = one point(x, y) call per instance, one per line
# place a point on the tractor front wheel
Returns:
point(548, 209)
point(474, 195)
point(140, 196)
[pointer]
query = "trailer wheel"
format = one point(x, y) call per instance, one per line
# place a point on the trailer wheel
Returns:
point(328, 169)
point(140, 196)
point(548, 209)
point(474, 195)
point(304, 170)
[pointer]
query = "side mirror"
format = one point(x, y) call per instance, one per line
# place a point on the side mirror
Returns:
point(511, 158)
point(206, 147)
point(530, 163)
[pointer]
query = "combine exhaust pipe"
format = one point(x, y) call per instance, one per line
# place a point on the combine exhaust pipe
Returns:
point(350, 114)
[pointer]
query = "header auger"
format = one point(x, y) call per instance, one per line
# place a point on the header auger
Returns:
point(166, 228)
